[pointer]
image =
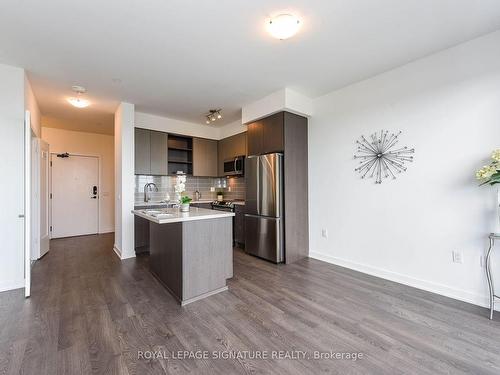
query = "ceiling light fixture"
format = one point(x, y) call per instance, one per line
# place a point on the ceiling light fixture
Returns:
point(283, 26)
point(213, 115)
point(78, 101)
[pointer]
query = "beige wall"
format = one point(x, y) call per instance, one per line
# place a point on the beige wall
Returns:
point(90, 144)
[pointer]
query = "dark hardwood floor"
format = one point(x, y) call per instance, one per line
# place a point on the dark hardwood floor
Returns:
point(90, 313)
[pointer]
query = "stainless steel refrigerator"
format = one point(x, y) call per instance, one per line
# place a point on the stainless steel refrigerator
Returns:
point(264, 207)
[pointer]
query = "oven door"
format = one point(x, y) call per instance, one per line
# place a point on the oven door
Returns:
point(234, 167)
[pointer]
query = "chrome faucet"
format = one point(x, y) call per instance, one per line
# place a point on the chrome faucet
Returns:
point(147, 189)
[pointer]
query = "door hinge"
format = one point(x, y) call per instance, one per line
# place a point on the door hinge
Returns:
point(50, 195)
point(51, 228)
point(51, 164)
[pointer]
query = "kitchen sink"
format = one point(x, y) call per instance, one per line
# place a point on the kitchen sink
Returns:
point(157, 213)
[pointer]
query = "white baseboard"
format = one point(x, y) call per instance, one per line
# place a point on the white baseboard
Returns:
point(128, 256)
point(11, 285)
point(117, 251)
point(109, 230)
point(429, 286)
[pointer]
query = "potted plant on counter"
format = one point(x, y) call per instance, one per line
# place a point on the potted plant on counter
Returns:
point(180, 187)
point(185, 200)
point(220, 196)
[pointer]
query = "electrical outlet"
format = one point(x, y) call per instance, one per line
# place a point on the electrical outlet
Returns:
point(324, 233)
point(456, 256)
point(212, 189)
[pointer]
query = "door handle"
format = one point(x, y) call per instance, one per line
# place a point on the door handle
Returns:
point(94, 197)
point(94, 190)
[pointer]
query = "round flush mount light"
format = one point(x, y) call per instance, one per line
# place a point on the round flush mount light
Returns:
point(78, 101)
point(283, 26)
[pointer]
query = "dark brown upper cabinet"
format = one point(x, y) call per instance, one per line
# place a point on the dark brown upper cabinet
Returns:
point(142, 151)
point(159, 153)
point(180, 154)
point(266, 135)
point(151, 152)
point(205, 157)
point(254, 138)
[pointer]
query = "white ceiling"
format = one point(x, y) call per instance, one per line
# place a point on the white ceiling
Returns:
point(179, 58)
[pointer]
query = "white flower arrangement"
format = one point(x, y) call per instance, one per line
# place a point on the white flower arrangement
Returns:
point(180, 187)
point(180, 184)
point(490, 174)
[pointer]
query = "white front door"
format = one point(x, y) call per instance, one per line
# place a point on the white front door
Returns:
point(44, 197)
point(75, 200)
point(27, 204)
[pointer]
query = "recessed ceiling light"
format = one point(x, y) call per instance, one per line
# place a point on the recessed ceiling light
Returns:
point(283, 26)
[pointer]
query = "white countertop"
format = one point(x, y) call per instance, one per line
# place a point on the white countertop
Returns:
point(163, 203)
point(147, 204)
point(176, 216)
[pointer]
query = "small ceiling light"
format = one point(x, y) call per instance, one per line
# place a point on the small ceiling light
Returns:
point(283, 26)
point(213, 115)
point(78, 101)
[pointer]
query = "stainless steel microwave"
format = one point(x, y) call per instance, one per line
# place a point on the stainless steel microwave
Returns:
point(235, 166)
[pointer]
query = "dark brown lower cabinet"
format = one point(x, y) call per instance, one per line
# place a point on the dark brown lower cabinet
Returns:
point(239, 225)
point(141, 234)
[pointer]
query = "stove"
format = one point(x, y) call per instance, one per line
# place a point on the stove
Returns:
point(223, 205)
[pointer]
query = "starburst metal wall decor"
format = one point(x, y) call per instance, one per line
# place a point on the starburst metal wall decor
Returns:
point(380, 157)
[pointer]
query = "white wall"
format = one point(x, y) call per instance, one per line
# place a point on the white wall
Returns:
point(281, 100)
point(165, 124)
point(30, 104)
point(168, 125)
point(90, 144)
point(124, 181)
point(233, 128)
point(448, 107)
point(12, 185)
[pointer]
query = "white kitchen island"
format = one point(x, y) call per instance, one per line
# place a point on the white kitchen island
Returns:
point(191, 252)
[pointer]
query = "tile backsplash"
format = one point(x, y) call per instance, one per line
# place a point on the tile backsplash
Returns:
point(233, 187)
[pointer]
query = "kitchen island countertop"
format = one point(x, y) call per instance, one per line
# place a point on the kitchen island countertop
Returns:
point(174, 215)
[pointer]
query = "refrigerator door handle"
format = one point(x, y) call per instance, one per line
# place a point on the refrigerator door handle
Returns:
point(257, 216)
point(258, 186)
